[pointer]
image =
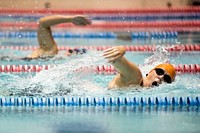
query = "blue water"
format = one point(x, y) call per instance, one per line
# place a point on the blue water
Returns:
point(86, 82)
point(137, 57)
point(70, 82)
point(96, 85)
point(123, 17)
point(88, 41)
point(99, 119)
point(67, 81)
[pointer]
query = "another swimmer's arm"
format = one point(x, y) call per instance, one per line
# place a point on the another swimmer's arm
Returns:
point(128, 70)
point(48, 46)
point(57, 19)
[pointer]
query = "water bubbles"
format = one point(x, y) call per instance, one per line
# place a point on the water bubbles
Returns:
point(161, 55)
point(10, 28)
point(74, 78)
point(19, 36)
point(178, 42)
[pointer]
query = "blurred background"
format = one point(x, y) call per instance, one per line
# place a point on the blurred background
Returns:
point(95, 4)
point(152, 31)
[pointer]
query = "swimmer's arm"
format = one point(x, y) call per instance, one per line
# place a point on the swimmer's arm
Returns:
point(36, 53)
point(45, 38)
point(57, 19)
point(47, 44)
point(128, 71)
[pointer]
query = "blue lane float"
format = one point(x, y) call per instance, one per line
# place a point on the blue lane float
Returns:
point(103, 35)
point(191, 16)
point(99, 101)
point(148, 17)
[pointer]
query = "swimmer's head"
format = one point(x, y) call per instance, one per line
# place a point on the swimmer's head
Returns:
point(80, 51)
point(77, 51)
point(161, 73)
point(70, 51)
point(169, 69)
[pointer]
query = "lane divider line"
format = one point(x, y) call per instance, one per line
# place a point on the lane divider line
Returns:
point(111, 25)
point(100, 69)
point(100, 11)
point(141, 48)
point(100, 101)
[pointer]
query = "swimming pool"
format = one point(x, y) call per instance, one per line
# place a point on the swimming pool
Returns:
point(78, 100)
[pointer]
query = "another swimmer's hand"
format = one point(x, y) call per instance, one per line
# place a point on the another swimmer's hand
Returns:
point(115, 53)
point(80, 20)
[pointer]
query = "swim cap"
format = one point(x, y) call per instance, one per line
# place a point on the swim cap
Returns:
point(169, 69)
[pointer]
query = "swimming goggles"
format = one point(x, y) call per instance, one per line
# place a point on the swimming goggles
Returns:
point(161, 72)
point(77, 51)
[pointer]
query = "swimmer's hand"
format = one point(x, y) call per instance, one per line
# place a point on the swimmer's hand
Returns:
point(80, 20)
point(115, 53)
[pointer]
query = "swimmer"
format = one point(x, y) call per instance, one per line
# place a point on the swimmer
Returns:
point(47, 44)
point(130, 74)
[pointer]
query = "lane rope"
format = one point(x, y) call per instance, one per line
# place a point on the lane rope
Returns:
point(92, 11)
point(140, 48)
point(100, 69)
point(133, 35)
point(123, 17)
point(100, 101)
point(111, 25)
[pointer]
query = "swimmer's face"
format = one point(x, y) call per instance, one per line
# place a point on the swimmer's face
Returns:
point(156, 77)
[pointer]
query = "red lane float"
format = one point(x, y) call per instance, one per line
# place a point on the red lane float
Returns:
point(92, 11)
point(101, 69)
point(23, 68)
point(141, 48)
point(111, 25)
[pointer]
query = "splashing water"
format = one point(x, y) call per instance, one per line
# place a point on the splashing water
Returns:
point(160, 55)
point(75, 77)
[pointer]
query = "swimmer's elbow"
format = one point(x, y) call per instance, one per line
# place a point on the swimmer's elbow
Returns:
point(43, 22)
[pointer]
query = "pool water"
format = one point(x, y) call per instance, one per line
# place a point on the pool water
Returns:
point(98, 119)
point(70, 82)
point(92, 41)
point(9, 57)
point(66, 79)
point(136, 17)
point(93, 85)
